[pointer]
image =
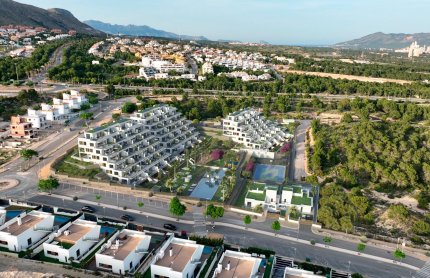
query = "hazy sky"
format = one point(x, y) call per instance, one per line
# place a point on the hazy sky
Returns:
point(276, 21)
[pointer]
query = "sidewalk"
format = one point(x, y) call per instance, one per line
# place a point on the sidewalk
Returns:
point(409, 251)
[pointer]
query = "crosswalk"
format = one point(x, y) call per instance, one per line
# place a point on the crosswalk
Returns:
point(199, 222)
point(424, 272)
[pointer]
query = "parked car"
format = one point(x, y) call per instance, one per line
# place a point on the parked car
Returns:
point(170, 227)
point(127, 217)
point(88, 209)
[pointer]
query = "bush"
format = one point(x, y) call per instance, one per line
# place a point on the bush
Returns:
point(417, 240)
point(150, 194)
point(421, 228)
point(312, 241)
point(207, 241)
point(124, 207)
point(75, 198)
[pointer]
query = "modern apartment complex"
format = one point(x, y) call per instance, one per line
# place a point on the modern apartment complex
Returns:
point(250, 128)
point(133, 150)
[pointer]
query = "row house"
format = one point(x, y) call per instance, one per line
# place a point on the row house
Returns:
point(250, 128)
point(131, 151)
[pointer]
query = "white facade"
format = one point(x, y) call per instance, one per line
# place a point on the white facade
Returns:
point(237, 264)
point(123, 252)
point(133, 150)
point(23, 231)
point(57, 111)
point(251, 129)
point(147, 72)
point(178, 258)
point(74, 99)
point(207, 68)
point(36, 118)
point(298, 197)
point(73, 240)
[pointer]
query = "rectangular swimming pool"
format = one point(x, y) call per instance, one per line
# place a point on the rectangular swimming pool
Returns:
point(269, 173)
point(207, 187)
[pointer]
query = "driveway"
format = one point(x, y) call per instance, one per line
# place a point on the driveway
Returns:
point(297, 167)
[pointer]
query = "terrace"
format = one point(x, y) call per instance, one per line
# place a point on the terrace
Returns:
point(180, 257)
point(18, 227)
point(126, 245)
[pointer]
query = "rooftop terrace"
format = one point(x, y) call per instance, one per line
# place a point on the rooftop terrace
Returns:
point(181, 256)
point(76, 232)
point(126, 246)
point(27, 222)
point(239, 267)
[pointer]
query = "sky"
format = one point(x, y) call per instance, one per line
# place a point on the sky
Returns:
point(293, 22)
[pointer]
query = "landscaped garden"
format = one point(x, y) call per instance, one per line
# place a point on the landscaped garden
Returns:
point(75, 168)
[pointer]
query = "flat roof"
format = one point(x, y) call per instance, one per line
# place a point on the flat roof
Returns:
point(126, 246)
point(107, 125)
point(181, 256)
point(77, 231)
point(27, 222)
point(239, 267)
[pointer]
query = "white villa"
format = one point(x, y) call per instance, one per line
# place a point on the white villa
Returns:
point(36, 118)
point(133, 150)
point(237, 265)
point(73, 240)
point(178, 258)
point(250, 128)
point(123, 252)
point(25, 230)
point(74, 99)
point(267, 196)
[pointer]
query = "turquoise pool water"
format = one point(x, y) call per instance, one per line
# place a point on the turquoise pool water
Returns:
point(207, 250)
point(105, 229)
point(59, 219)
point(269, 173)
point(206, 188)
point(12, 213)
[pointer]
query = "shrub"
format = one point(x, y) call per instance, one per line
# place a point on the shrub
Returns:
point(124, 207)
point(421, 228)
point(207, 241)
point(217, 154)
point(150, 194)
point(75, 198)
point(312, 241)
point(250, 166)
point(417, 240)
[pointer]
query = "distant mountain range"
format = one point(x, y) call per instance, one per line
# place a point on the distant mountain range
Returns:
point(15, 13)
point(135, 30)
point(389, 41)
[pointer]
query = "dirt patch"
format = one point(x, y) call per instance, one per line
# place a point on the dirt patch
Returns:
point(7, 184)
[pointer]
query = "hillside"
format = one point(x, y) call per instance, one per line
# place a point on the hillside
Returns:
point(390, 41)
point(135, 30)
point(15, 13)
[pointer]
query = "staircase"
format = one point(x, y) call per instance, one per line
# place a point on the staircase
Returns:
point(279, 266)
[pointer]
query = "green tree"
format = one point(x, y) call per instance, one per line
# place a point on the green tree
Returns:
point(85, 106)
point(346, 223)
point(361, 247)
point(28, 154)
point(129, 107)
point(110, 90)
point(140, 205)
point(98, 198)
point(214, 211)
point(247, 220)
point(48, 184)
point(347, 118)
point(115, 116)
point(327, 239)
point(276, 226)
point(170, 184)
point(86, 116)
point(399, 212)
point(176, 208)
point(398, 254)
point(421, 228)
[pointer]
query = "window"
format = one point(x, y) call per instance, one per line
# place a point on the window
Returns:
point(105, 266)
point(29, 241)
point(78, 253)
point(2, 242)
point(52, 253)
point(131, 265)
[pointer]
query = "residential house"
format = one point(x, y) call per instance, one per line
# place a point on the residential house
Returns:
point(178, 258)
point(20, 128)
point(124, 252)
point(25, 230)
point(237, 265)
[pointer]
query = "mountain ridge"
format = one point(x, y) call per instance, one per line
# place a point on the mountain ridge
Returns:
point(137, 30)
point(383, 40)
point(14, 13)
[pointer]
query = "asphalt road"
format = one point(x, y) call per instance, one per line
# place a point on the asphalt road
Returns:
point(283, 247)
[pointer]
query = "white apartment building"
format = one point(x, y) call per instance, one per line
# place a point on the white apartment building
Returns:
point(261, 194)
point(36, 118)
point(25, 230)
point(237, 265)
point(147, 72)
point(162, 66)
point(249, 127)
point(72, 241)
point(178, 258)
point(133, 150)
point(56, 112)
point(207, 68)
point(74, 99)
point(124, 252)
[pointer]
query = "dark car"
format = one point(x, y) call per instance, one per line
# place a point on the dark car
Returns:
point(88, 209)
point(170, 227)
point(127, 217)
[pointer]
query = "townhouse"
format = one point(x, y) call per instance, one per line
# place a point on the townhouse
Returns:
point(250, 128)
point(178, 258)
point(124, 252)
point(25, 230)
point(72, 241)
point(131, 151)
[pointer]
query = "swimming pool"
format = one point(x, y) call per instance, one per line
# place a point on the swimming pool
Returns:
point(106, 229)
point(207, 250)
point(12, 214)
point(208, 185)
point(59, 219)
point(269, 173)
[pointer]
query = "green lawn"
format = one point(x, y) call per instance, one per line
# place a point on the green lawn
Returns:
point(297, 200)
point(256, 196)
point(70, 167)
